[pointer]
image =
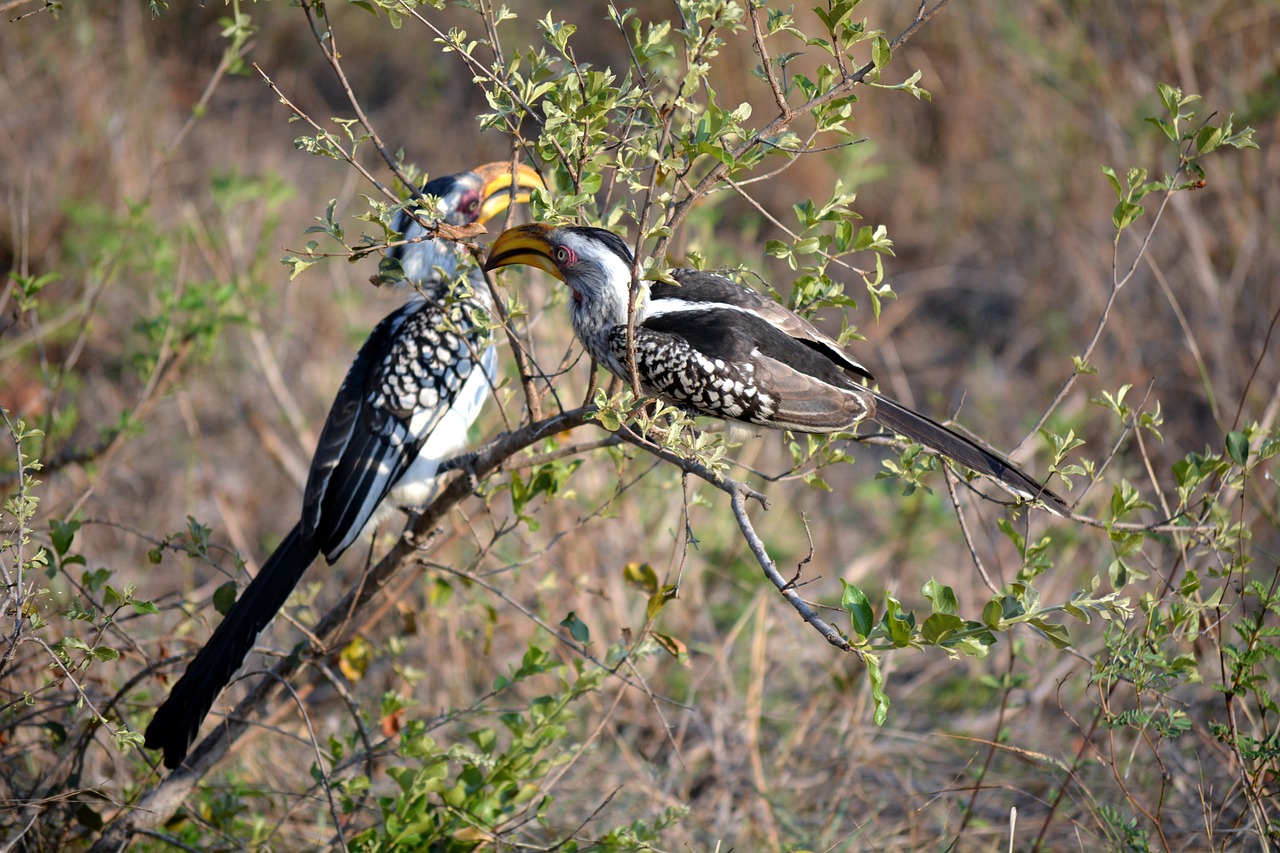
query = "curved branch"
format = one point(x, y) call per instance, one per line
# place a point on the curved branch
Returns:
point(737, 499)
point(738, 493)
point(159, 802)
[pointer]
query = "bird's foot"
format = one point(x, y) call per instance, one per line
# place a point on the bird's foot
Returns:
point(465, 462)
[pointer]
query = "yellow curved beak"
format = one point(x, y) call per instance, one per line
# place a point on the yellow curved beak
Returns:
point(497, 194)
point(524, 244)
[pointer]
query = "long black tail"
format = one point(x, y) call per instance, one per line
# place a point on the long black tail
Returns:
point(177, 722)
point(933, 435)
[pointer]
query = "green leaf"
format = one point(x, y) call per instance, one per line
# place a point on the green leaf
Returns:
point(896, 622)
point(641, 576)
point(104, 653)
point(992, 613)
point(972, 645)
point(1018, 540)
point(1118, 573)
point(296, 265)
point(141, 607)
point(942, 597)
point(62, 533)
point(577, 628)
point(72, 643)
point(1238, 448)
point(224, 597)
point(1208, 139)
point(813, 481)
point(876, 677)
point(1114, 181)
point(1057, 634)
point(96, 579)
point(1124, 214)
point(855, 603)
point(881, 53)
point(939, 626)
point(1165, 127)
point(659, 600)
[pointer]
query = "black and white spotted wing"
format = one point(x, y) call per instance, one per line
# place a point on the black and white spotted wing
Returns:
point(733, 364)
point(408, 374)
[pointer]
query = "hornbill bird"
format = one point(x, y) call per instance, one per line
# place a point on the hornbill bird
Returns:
point(404, 407)
point(714, 347)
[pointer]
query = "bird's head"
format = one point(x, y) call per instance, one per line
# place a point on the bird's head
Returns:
point(595, 263)
point(482, 193)
point(464, 200)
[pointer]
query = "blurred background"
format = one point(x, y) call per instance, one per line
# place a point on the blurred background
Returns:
point(1000, 216)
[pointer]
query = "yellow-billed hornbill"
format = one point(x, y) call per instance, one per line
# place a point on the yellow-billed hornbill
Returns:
point(414, 389)
point(717, 348)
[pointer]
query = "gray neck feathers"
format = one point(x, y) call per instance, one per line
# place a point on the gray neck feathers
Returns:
point(598, 304)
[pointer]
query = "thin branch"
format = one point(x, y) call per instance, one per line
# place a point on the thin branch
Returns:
point(1117, 283)
point(327, 42)
point(948, 478)
point(757, 36)
point(923, 17)
point(328, 46)
point(156, 804)
point(435, 228)
point(737, 499)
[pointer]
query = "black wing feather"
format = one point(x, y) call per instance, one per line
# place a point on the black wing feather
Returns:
point(734, 335)
point(349, 435)
point(697, 287)
point(813, 393)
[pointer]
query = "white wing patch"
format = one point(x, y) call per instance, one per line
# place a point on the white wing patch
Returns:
point(659, 307)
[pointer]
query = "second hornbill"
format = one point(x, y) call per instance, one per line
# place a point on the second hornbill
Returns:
point(405, 406)
point(717, 348)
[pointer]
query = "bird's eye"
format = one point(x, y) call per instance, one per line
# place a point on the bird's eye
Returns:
point(471, 205)
point(564, 256)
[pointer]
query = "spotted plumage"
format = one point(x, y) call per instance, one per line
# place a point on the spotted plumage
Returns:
point(427, 363)
point(421, 362)
point(676, 371)
point(717, 348)
point(405, 406)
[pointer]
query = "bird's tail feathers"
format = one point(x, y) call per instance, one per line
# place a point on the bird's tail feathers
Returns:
point(177, 722)
point(933, 435)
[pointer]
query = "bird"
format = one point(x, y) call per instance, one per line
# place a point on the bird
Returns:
point(474, 196)
point(714, 347)
point(408, 399)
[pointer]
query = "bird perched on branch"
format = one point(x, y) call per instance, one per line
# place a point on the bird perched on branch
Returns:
point(716, 348)
point(417, 384)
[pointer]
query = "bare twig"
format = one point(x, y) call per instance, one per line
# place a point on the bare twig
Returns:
point(947, 478)
point(737, 499)
point(1118, 281)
